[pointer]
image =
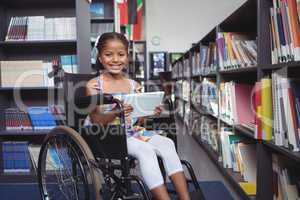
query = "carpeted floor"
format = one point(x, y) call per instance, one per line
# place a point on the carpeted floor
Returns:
point(213, 190)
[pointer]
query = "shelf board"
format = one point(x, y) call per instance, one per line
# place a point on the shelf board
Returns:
point(244, 131)
point(27, 88)
point(39, 4)
point(203, 112)
point(281, 65)
point(284, 151)
point(233, 177)
point(239, 70)
point(18, 177)
point(102, 20)
point(37, 43)
point(226, 121)
point(19, 133)
point(210, 75)
point(38, 47)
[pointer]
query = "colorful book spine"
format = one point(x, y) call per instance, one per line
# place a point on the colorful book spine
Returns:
point(266, 112)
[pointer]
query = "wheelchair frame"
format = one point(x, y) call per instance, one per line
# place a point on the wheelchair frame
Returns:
point(86, 155)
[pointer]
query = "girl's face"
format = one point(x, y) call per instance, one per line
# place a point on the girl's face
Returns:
point(114, 56)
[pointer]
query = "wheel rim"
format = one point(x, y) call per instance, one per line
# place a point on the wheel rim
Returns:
point(63, 170)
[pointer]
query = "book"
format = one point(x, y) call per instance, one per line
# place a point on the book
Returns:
point(266, 111)
point(97, 10)
point(143, 103)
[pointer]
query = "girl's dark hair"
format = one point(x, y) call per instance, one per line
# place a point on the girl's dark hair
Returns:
point(101, 42)
point(111, 36)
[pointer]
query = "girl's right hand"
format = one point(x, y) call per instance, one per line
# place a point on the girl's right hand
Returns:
point(127, 109)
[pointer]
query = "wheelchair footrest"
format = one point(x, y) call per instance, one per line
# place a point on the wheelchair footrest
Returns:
point(133, 197)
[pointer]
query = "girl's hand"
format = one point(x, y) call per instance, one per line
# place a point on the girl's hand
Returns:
point(127, 109)
point(158, 110)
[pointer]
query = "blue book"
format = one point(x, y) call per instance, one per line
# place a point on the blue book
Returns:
point(41, 117)
point(97, 10)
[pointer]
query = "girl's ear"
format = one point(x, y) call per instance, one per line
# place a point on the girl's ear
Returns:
point(99, 59)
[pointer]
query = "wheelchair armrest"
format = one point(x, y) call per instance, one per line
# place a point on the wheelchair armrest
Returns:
point(98, 99)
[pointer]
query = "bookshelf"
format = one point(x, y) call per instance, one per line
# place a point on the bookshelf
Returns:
point(42, 49)
point(253, 20)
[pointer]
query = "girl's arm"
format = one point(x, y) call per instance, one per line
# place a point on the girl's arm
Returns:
point(97, 115)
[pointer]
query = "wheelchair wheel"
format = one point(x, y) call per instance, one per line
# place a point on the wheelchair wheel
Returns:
point(65, 169)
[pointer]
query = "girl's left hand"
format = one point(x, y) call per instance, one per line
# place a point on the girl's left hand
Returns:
point(158, 110)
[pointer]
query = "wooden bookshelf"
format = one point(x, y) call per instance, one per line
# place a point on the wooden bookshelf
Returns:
point(252, 19)
point(41, 50)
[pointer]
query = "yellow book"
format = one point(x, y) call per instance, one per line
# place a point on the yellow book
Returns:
point(248, 187)
point(266, 111)
point(230, 49)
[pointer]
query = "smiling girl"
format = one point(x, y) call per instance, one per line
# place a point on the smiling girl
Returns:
point(113, 55)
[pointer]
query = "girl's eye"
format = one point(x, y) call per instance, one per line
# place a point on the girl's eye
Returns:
point(107, 54)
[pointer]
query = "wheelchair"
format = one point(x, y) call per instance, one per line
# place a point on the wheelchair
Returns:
point(78, 162)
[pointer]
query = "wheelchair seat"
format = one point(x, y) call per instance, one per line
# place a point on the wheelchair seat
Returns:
point(76, 160)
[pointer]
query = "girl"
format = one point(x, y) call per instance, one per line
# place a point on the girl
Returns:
point(113, 55)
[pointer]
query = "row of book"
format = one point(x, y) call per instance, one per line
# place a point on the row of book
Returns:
point(208, 92)
point(33, 118)
point(15, 157)
point(277, 103)
point(235, 50)
point(205, 61)
point(35, 73)
point(286, 180)
point(285, 31)
point(230, 51)
point(235, 103)
point(271, 107)
point(37, 28)
point(100, 28)
point(22, 157)
point(234, 151)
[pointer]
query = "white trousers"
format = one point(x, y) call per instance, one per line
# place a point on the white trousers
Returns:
point(146, 154)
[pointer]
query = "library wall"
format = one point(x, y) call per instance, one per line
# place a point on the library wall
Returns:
point(163, 20)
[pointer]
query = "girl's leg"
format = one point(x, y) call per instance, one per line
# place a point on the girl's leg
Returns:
point(179, 182)
point(165, 147)
point(160, 193)
point(149, 166)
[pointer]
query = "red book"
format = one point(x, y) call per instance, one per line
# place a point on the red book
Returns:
point(257, 94)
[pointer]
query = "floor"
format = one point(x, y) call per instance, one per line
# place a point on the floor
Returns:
point(204, 168)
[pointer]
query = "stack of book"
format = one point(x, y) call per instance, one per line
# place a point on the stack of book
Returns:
point(100, 28)
point(41, 117)
point(235, 50)
point(239, 156)
point(16, 119)
point(209, 94)
point(15, 157)
point(236, 103)
point(205, 61)
point(37, 28)
point(34, 118)
point(69, 63)
point(209, 133)
point(286, 180)
point(285, 31)
point(285, 109)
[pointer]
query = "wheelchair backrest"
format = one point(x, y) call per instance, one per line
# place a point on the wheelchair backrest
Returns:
point(102, 140)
